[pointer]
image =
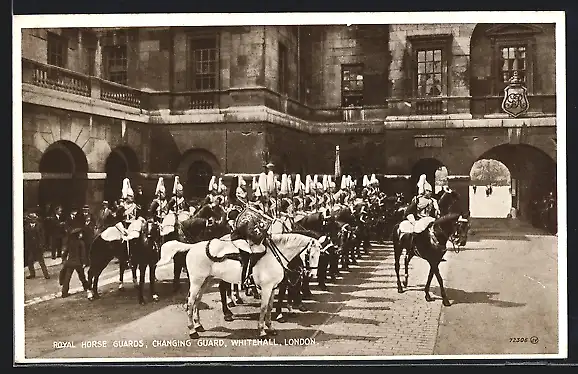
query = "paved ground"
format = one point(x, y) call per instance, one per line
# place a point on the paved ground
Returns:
point(504, 292)
point(502, 286)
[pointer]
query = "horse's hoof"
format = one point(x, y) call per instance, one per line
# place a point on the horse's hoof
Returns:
point(446, 303)
point(231, 304)
point(272, 332)
point(134, 281)
point(428, 298)
point(194, 335)
point(262, 335)
point(229, 318)
point(280, 318)
point(155, 298)
point(200, 329)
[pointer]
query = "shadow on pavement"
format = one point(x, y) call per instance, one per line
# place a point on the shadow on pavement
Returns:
point(457, 296)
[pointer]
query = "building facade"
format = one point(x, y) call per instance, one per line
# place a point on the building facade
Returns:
point(399, 100)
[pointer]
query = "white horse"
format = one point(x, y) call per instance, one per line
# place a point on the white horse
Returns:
point(217, 259)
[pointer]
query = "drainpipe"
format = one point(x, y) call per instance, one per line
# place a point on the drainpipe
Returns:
point(298, 63)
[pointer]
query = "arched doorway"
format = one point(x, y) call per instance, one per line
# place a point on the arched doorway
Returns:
point(198, 178)
point(121, 163)
point(430, 167)
point(63, 169)
point(490, 189)
point(533, 175)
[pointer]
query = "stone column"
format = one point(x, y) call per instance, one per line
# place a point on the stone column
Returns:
point(98, 57)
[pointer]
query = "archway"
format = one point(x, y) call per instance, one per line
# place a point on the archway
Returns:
point(63, 182)
point(431, 167)
point(121, 163)
point(198, 178)
point(490, 189)
point(533, 175)
point(195, 170)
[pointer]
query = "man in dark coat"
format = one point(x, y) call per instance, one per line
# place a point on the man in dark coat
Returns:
point(73, 258)
point(58, 232)
point(34, 245)
point(89, 228)
point(104, 218)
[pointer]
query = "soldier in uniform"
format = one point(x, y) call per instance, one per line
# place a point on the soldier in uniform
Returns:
point(129, 211)
point(241, 191)
point(178, 204)
point(422, 209)
point(159, 207)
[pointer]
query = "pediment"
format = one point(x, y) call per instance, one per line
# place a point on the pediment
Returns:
point(513, 29)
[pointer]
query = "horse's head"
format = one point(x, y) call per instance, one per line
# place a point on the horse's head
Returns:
point(449, 202)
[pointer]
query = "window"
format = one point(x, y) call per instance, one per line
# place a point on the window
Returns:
point(203, 63)
point(513, 47)
point(116, 64)
point(429, 72)
point(431, 55)
point(283, 69)
point(511, 58)
point(57, 48)
point(351, 85)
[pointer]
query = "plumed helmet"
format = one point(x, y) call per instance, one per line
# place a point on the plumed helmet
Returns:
point(284, 189)
point(344, 182)
point(177, 185)
point(160, 186)
point(373, 181)
point(262, 184)
point(241, 182)
point(297, 184)
point(365, 181)
point(271, 183)
point(213, 183)
point(308, 182)
point(126, 189)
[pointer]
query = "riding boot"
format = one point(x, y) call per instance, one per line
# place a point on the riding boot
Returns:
point(245, 259)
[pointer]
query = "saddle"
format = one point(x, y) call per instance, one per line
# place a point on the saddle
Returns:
point(168, 224)
point(113, 233)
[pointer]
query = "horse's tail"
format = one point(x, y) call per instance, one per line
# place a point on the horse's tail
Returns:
point(170, 249)
point(395, 234)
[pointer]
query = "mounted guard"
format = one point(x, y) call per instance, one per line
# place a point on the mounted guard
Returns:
point(159, 207)
point(421, 212)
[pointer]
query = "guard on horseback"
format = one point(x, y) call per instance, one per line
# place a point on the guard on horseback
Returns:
point(159, 207)
point(241, 191)
point(421, 212)
point(178, 204)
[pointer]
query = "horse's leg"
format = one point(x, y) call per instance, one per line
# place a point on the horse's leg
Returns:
point(96, 271)
point(281, 294)
point(427, 284)
point(178, 267)
point(238, 299)
point(133, 269)
point(194, 290)
point(152, 280)
point(397, 248)
point(445, 300)
point(229, 294)
point(266, 293)
point(141, 283)
point(270, 330)
point(223, 287)
point(122, 269)
point(198, 326)
point(407, 258)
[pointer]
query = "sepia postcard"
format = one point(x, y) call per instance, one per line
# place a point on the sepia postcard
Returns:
point(289, 187)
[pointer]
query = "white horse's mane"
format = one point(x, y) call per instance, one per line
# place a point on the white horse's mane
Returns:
point(291, 239)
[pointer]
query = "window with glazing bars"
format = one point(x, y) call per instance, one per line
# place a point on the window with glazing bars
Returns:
point(430, 74)
point(117, 64)
point(352, 85)
point(203, 63)
point(512, 58)
point(57, 48)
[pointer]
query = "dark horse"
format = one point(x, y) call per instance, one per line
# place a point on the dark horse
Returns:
point(207, 223)
point(103, 251)
point(147, 254)
point(431, 243)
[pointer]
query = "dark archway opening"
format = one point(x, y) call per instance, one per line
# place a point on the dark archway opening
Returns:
point(533, 177)
point(63, 182)
point(427, 166)
point(121, 163)
point(198, 177)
